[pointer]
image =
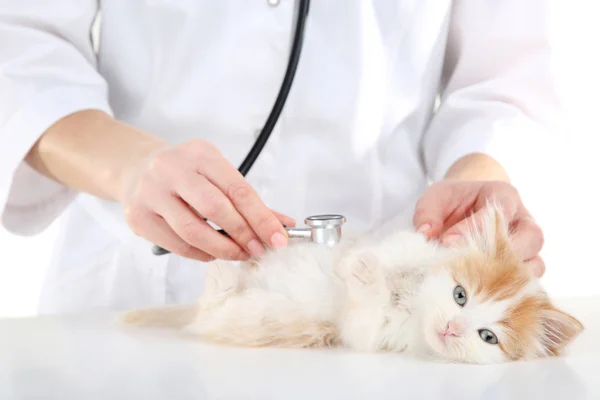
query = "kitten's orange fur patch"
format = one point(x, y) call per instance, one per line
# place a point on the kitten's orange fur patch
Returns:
point(498, 279)
point(491, 268)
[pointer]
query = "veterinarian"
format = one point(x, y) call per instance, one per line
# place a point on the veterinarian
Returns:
point(130, 138)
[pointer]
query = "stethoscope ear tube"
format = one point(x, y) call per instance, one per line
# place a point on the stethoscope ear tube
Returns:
point(284, 90)
point(286, 85)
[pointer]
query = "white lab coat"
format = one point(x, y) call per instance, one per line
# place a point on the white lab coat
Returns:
point(358, 135)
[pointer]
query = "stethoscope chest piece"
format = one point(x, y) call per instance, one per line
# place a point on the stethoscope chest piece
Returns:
point(322, 229)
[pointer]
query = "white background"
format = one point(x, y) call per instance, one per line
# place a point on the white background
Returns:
point(565, 197)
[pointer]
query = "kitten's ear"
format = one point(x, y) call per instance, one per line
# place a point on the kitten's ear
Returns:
point(558, 330)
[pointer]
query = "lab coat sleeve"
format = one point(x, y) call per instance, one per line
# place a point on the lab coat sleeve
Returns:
point(47, 71)
point(498, 96)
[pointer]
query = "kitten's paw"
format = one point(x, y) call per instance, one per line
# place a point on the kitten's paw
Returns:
point(365, 268)
point(362, 270)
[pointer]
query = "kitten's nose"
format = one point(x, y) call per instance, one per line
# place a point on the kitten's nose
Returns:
point(455, 327)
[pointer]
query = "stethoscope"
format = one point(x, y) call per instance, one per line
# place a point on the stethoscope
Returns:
point(322, 229)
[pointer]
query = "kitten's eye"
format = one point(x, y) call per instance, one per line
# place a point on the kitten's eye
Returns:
point(488, 336)
point(460, 296)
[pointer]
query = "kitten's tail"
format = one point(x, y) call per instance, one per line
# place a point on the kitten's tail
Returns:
point(165, 317)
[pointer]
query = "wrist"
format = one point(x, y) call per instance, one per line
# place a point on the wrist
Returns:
point(91, 152)
point(134, 149)
point(476, 167)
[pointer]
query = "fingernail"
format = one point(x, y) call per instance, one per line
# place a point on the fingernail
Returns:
point(424, 228)
point(278, 240)
point(451, 239)
point(256, 249)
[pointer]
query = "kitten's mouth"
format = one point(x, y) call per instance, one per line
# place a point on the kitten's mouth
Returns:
point(444, 338)
point(438, 340)
point(437, 343)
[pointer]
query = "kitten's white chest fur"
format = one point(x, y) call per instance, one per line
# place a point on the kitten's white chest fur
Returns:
point(383, 281)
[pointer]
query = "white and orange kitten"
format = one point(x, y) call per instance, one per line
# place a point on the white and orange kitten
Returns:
point(473, 303)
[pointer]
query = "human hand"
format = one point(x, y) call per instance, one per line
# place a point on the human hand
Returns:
point(442, 210)
point(167, 190)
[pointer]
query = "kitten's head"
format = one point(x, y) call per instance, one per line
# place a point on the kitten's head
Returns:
point(485, 306)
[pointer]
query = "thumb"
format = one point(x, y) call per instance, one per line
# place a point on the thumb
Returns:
point(430, 214)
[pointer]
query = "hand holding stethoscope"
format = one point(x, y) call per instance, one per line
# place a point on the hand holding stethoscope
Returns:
point(169, 187)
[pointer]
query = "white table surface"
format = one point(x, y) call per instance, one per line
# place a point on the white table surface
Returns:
point(88, 357)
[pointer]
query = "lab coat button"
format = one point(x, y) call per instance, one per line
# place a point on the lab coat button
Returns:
point(273, 3)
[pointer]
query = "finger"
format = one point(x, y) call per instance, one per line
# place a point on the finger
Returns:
point(157, 231)
point(537, 266)
point(459, 214)
point(196, 232)
point(209, 202)
point(245, 199)
point(428, 218)
point(284, 219)
point(436, 204)
point(527, 238)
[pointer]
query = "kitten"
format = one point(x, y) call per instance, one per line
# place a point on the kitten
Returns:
point(473, 303)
